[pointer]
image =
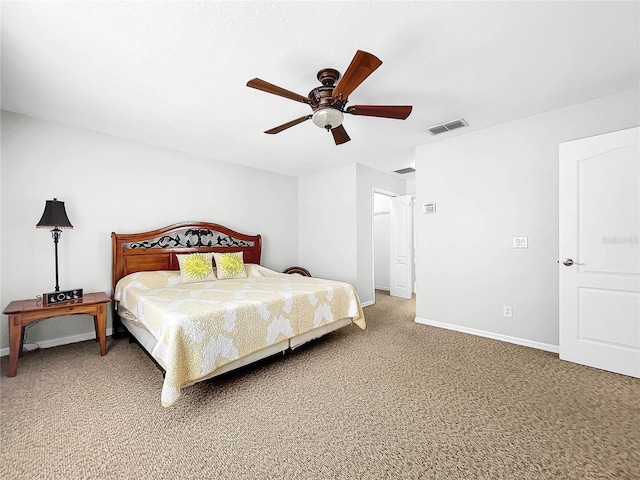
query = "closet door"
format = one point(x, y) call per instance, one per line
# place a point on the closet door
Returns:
point(401, 247)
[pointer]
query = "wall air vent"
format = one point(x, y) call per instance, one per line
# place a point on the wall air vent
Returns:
point(405, 170)
point(446, 127)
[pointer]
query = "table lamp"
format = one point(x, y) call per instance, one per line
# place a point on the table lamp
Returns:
point(55, 216)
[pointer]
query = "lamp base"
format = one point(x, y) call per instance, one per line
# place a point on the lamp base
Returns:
point(67, 296)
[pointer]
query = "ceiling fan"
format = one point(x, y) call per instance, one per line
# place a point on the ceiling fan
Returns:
point(329, 101)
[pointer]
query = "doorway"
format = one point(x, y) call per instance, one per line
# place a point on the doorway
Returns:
point(386, 231)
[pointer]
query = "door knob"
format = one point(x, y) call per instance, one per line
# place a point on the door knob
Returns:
point(568, 262)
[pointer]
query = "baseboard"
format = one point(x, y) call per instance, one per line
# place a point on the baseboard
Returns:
point(56, 342)
point(547, 347)
point(366, 304)
point(386, 289)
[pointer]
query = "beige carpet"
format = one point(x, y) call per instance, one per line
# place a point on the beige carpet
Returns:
point(397, 401)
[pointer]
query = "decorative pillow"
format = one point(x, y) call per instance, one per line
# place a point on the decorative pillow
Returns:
point(230, 265)
point(196, 267)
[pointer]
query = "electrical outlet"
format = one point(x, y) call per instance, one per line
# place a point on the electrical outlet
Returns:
point(507, 311)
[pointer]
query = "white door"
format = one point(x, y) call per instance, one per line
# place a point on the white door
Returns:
point(401, 247)
point(600, 252)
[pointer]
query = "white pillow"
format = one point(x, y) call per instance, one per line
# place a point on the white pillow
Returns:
point(230, 265)
point(196, 267)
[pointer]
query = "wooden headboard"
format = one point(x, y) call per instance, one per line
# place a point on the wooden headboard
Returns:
point(157, 249)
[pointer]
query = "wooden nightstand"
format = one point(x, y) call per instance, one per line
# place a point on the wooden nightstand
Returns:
point(24, 312)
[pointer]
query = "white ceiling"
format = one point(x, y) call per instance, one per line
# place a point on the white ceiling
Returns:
point(173, 73)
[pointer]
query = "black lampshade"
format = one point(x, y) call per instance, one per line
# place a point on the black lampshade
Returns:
point(54, 215)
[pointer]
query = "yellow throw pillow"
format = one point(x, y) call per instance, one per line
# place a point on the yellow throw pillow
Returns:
point(196, 267)
point(230, 265)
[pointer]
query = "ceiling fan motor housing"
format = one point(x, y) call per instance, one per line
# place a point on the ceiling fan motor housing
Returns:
point(326, 113)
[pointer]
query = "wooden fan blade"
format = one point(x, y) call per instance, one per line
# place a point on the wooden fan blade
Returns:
point(386, 111)
point(284, 126)
point(271, 88)
point(362, 65)
point(340, 135)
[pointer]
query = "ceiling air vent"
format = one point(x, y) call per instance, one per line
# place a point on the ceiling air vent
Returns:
point(445, 127)
point(405, 170)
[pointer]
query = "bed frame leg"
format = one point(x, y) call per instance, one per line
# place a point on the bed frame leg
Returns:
point(118, 330)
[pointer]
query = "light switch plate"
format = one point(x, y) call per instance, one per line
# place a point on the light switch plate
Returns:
point(520, 242)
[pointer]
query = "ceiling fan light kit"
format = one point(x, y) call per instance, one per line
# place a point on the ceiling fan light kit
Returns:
point(329, 100)
point(327, 118)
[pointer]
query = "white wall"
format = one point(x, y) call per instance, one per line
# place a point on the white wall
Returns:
point(367, 179)
point(336, 223)
point(327, 224)
point(112, 184)
point(489, 186)
point(411, 185)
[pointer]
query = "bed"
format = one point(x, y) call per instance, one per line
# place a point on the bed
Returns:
point(196, 330)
